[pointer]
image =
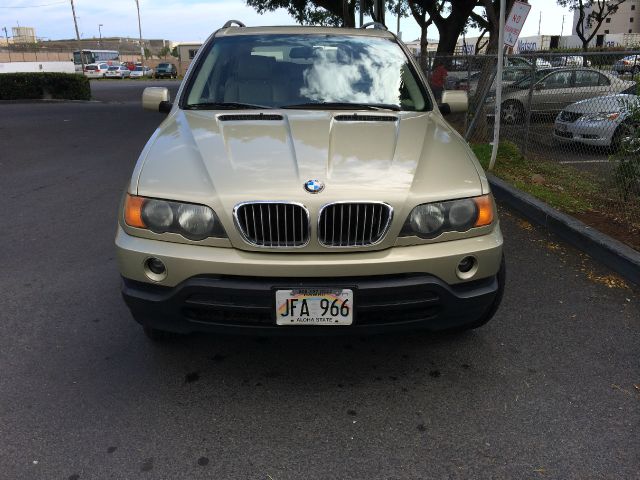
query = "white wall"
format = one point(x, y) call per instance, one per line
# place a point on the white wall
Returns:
point(24, 67)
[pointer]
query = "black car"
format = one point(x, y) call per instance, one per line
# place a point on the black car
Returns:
point(166, 70)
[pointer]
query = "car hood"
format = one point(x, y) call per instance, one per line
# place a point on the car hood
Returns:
point(224, 158)
point(610, 103)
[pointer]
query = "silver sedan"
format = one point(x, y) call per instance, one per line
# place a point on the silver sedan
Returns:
point(610, 121)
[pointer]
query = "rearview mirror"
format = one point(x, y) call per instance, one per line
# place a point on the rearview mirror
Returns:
point(454, 101)
point(156, 99)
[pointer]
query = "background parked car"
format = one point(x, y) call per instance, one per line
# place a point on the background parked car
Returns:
point(166, 70)
point(556, 88)
point(569, 61)
point(510, 75)
point(118, 71)
point(630, 64)
point(603, 121)
point(96, 70)
point(140, 72)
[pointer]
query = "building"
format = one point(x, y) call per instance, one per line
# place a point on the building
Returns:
point(23, 34)
point(187, 50)
point(625, 20)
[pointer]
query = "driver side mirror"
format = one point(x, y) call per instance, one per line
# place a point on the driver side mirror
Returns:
point(156, 99)
point(454, 101)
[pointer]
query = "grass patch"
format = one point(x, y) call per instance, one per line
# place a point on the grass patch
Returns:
point(565, 188)
point(595, 200)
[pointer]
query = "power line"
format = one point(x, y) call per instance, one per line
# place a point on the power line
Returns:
point(37, 6)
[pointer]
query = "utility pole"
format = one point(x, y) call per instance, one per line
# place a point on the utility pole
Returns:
point(75, 22)
point(7, 37)
point(539, 23)
point(562, 29)
point(100, 33)
point(399, 8)
point(140, 32)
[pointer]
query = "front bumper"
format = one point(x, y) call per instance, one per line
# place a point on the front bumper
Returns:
point(598, 134)
point(246, 305)
point(184, 261)
point(230, 290)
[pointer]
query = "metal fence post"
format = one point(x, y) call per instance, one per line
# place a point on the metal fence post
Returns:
point(527, 128)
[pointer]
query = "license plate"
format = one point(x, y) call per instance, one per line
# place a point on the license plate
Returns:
point(314, 306)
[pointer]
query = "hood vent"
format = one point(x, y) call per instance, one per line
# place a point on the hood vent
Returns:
point(365, 118)
point(250, 117)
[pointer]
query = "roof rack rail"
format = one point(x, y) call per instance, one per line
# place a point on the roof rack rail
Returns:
point(375, 25)
point(231, 22)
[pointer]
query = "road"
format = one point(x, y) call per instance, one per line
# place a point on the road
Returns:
point(548, 389)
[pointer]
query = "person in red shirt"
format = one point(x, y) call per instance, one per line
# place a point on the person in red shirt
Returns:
point(438, 80)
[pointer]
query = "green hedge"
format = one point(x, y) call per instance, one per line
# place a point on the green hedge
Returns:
point(20, 86)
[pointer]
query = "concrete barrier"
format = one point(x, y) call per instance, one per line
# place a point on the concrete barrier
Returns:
point(31, 67)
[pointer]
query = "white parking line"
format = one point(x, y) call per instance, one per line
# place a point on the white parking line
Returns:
point(567, 162)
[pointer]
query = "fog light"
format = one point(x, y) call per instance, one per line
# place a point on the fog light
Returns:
point(466, 264)
point(155, 265)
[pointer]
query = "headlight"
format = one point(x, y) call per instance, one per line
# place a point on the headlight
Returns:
point(431, 219)
point(195, 222)
point(601, 117)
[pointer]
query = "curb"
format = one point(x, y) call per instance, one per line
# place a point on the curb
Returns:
point(45, 100)
point(619, 257)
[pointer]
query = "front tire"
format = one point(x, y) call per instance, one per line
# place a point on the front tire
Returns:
point(512, 112)
point(626, 139)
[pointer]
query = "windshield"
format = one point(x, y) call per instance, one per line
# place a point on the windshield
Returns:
point(286, 70)
point(114, 68)
point(163, 65)
point(138, 69)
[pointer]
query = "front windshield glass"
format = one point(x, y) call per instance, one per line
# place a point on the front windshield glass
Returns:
point(286, 70)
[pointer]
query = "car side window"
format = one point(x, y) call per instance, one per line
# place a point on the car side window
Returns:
point(604, 81)
point(586, 78)
point(557, 80)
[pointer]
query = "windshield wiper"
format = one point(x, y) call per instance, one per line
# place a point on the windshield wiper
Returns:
point(223, 106)
point(344, 106)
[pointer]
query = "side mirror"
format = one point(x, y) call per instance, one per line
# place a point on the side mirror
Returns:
point(454, 101)
point(156, 99)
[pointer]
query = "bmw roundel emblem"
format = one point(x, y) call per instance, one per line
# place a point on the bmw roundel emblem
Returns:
point(314, 186)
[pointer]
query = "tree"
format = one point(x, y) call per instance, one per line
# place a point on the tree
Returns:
point(147, 53)
point(174, 52)
point(164, 51)
point(591, 15)
point(449, 16)
point(333, 13)
point(420, 16)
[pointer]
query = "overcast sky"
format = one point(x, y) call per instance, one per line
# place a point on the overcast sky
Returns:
point(189, 20)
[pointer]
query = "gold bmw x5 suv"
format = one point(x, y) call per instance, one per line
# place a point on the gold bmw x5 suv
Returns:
point(305, 181)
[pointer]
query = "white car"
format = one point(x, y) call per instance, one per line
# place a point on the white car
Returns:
point(118, 71)
point(96, 70)
point(140, 72)
point(602, 121)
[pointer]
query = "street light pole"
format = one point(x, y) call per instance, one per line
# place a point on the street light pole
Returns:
point(75, 22)
point(100, 33)
point(7, 37)
point(140, 32)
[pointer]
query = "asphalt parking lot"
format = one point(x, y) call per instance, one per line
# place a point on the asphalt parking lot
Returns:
point(549, 389)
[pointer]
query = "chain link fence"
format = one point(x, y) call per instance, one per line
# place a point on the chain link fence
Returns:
point(575, 118)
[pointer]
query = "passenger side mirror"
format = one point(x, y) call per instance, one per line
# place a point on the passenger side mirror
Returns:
point(156, 99)
point(454, 101)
